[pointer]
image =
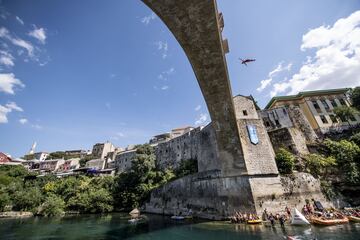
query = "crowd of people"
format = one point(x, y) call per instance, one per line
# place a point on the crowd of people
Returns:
point(239, 217)
point(243, 218)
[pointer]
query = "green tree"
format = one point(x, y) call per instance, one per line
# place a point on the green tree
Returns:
point(52, 206)
point(355, 97)
point(186, 168)
point(345, 113)
point(347, 155)
point(27, 199)
point(285, 161)
point(133, 188)
point(4, 200)
point(356, 138)
point(318, 165)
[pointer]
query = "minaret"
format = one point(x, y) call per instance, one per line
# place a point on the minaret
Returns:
point(32, 150)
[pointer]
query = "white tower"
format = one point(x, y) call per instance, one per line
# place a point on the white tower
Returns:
point(32, 150)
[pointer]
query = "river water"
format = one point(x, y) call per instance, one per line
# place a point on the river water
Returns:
point(116, 226)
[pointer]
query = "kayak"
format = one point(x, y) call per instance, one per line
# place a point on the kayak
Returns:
point(298, 219)
point(329, 222)
point(354, 219)
point(177, 217)
point(256, 221)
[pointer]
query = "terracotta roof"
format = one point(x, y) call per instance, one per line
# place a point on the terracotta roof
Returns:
point(4, 158)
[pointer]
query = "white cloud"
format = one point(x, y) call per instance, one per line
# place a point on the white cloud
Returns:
point(23, 121)
point(165, 74)
point(120, 134)
point(336, 62)
point(6, 59)
point(8, 82)
point(4, 33)
point(8, 108)
point(3, 114)
point(14, 106)
point(163, 48)
point(203, 118)
point(37, 126)
point(164, 87)
point(147, 19)
point(39, 34)
point(272, 74)
point(197, 108)
point(19, 20)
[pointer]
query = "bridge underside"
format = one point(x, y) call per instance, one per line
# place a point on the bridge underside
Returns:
point(196, 25)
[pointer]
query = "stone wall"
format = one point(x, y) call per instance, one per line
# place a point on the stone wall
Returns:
point(259, 157)
point(290, 139)
point(198, 144)
point(211, 196)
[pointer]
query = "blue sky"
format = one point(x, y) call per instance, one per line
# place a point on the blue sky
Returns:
point(73, 73)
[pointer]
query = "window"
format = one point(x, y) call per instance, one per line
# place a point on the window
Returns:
point(284, 111)
point(333, 118)
point(316, 106)
point(323, 119)
point(277, 122)
point(342, 101)
point(245, 113)
point(267, 124)
point(326, 105)
point(333, 103)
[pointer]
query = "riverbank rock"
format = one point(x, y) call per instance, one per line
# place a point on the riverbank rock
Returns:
point(13, 214)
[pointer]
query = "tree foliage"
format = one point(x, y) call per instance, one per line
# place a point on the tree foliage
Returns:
point(318, 164)
point(132, 188)
point(345, 113)
point(53, 206)
point(347, 155)
point(285, 161)
point(355, 97)
point(186, 168)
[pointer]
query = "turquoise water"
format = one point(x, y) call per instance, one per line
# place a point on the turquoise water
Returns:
point(116, 226)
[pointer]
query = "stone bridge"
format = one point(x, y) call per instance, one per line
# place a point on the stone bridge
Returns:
point(197, 26)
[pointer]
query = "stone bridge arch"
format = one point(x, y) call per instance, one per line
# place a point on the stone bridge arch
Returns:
point(197, 26)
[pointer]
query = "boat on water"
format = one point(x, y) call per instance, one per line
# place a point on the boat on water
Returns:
point(298, 219)
point(177, 217)
point(329, 222)
point(354, 219)
point(255, 221)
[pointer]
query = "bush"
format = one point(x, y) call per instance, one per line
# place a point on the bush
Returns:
point(27, 199)
point(355, 138)
point(285, 161)
point(53, 206)
point(318, 165)
point(186, 168)
point(4, 200)
point(347, 155)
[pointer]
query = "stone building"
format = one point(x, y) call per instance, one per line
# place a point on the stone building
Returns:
point(317, 107)
point(123, 160)
point(100, 150)
point(97, 164)
point(197, 144)
point(51, 165)
point(288, 128)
